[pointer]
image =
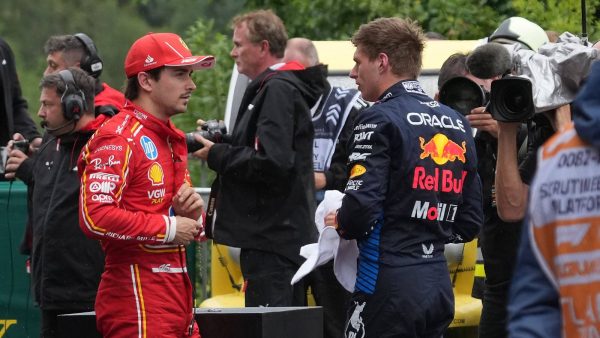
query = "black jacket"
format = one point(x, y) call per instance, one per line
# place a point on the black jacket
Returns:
point(12, 104)
point(266, 196)
point(66, 265)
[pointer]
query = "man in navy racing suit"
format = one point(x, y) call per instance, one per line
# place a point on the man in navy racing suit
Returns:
point(413, 187)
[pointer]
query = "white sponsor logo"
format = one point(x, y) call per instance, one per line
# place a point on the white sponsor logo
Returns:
point(98, 165)
point(166, 268)
point(356, 327)
point(413, 87)
point(440, 211)
point(572, 234)
point(443, 121)
point(158, 193)
point(358, 156)
point(102, 187)
point(365, 126)
point(427, 251)
point(105, 177)
point(363, 135)
point(102, 198)
point(431, 104)
point(110, 147)
point(354, 184)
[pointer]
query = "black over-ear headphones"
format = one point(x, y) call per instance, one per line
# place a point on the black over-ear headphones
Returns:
point(91, 63)
point(73, 99)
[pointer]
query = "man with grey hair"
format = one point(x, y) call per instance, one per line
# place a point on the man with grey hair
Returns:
point(265, 204)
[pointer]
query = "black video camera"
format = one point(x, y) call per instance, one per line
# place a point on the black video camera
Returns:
point(462, 95)
point(212, 130)
point(511, 99)
point(22, 145)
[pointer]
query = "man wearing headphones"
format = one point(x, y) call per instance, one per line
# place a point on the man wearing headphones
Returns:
point(78, 50)
point(66, 266)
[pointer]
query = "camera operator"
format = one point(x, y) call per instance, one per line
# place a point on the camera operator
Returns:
point(513, 173)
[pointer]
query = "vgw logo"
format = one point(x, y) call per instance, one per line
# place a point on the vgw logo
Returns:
point(5, 324)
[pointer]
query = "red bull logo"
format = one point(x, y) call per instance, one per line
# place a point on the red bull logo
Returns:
point(442, 149)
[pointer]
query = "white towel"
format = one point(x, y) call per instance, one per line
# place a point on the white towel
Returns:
point(330, 245)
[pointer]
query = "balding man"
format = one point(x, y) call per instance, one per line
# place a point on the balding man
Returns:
point(332, 117)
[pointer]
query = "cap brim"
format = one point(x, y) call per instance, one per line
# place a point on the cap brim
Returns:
point(196, 62)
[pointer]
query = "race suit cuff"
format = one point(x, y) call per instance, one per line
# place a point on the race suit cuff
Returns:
point(171, 225)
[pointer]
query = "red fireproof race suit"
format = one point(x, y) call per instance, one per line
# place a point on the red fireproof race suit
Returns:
point(131, 169)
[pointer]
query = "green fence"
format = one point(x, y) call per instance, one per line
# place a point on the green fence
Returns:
point(19, 317)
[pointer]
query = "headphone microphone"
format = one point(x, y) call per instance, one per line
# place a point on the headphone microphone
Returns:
point(44, 125)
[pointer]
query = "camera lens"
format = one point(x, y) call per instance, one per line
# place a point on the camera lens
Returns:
point(515, 101)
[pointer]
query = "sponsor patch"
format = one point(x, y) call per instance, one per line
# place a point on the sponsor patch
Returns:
point(434, 211)
point(357, 170)
point(149, 148)
point(104, 177)
point(436, 121)
point(441, 149)
point(156, 174)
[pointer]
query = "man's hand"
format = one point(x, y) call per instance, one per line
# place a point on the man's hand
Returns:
point(331, 219)
point(482, 120)
point(320, 180)
point(187, 229)
point(16, 157)
point(188, 203)
point(202, 153)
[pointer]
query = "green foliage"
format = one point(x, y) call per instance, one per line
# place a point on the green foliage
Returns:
point(456, 19)
point(209, 100)
point(561, 15)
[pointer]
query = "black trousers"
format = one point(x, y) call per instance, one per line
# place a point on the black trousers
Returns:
point(267, 276)
point(49, 325)
point(499, 246)
point(332, 296)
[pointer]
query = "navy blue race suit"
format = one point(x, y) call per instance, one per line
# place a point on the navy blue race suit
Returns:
point(413, 187)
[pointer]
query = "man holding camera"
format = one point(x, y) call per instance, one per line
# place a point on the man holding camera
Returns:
point(14, 117)
point(515, 162)
point(266, 202)
point(66, 266)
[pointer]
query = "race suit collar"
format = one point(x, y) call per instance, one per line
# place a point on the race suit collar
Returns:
point(400, 88)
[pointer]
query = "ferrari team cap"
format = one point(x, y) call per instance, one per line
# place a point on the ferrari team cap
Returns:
point(518, 29)
point(155, 50)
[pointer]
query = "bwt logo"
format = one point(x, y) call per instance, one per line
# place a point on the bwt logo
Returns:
point(5, 324)
point(441, 149)
point(439, 211)
point(363, 135)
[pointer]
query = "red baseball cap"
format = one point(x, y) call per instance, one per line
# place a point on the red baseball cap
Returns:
point(155, 50)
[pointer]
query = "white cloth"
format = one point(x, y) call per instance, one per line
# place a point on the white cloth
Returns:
point(330, 246)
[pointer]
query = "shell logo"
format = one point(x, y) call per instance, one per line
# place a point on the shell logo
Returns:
point(156, 174)
point(357, 170)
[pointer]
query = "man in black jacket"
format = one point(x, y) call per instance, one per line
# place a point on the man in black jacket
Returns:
point(14, 117)
point(266, 188)
point(66, 266)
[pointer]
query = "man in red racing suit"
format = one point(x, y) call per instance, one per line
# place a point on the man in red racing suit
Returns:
point(136, 197)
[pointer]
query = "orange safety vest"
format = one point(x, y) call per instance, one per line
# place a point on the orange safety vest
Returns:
point(565, 228)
